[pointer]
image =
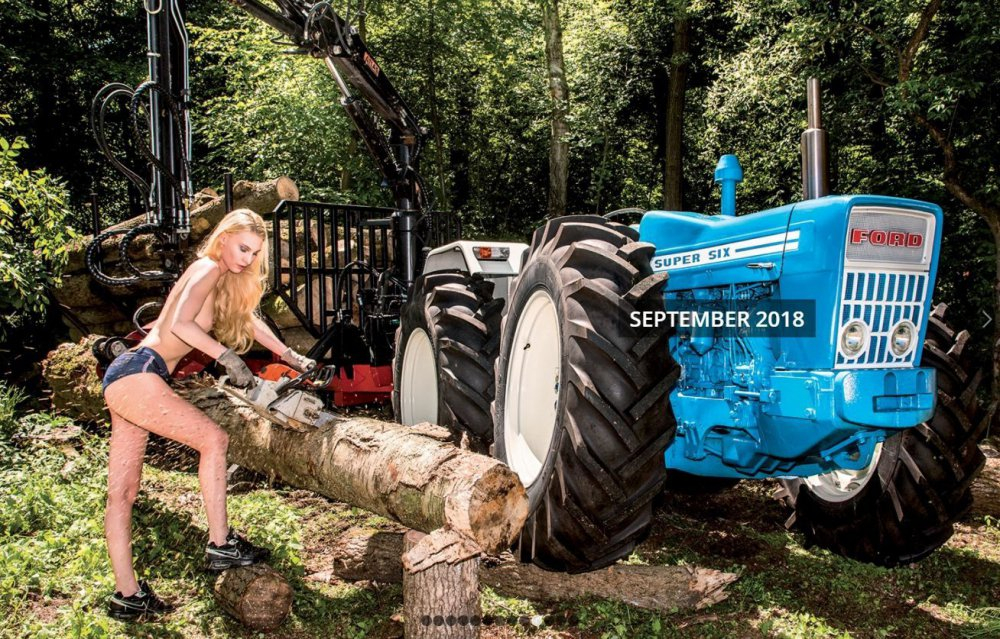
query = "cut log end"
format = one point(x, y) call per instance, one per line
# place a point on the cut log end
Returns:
point(494, 522)
point(286, 188)
point(257, 596)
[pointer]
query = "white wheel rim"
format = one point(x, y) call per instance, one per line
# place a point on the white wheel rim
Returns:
point(841, 485)
point(532, 393)
point(418, 393)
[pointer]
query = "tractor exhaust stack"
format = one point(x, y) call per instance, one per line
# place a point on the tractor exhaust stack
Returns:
point(815, 159)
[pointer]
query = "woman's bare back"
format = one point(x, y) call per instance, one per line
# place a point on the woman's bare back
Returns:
point(161, 337)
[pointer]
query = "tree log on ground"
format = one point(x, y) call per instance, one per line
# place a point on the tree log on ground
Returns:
point(393, 470)
point(361, 554)
point(440, 586)
point(257, 596)
point(71, 373)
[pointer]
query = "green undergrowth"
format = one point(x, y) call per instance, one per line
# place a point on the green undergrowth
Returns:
point(55, 575)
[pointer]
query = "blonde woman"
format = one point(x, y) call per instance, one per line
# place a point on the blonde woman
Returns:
point(218, 293)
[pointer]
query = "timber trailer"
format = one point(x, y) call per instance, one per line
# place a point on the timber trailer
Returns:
point(575, 359)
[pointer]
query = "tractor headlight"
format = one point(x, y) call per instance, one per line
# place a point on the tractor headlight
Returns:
point(853, 338)
point(903, 337)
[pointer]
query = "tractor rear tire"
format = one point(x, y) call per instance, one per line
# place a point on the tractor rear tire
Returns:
point(904, 507)
point(446, 345)
point(582, 409)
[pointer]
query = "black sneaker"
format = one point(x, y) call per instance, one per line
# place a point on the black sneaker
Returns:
point(144, 604)
point(236, 552)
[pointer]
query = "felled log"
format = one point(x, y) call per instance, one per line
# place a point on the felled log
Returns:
point(440, 586)
point(370, 555)
point(257, 596)
point(71, 374)
point(397, 471)
point(409, 474)
point(261, 197)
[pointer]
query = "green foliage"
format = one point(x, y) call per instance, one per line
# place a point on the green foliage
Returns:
point(55, 55)
point(10, 397)
point(33, 234)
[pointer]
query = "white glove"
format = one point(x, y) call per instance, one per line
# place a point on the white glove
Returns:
point(300, 363)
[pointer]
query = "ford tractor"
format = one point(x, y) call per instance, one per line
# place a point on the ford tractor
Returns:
point(797, 343)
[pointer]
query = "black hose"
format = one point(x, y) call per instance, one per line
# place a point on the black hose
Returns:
point(97, 113)
point(175, 181)
point(93, 258)
point(136, 317)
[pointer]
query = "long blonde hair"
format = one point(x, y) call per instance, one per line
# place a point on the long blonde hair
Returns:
point(237, 295)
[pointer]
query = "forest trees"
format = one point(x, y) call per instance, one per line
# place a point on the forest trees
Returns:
point(729, 76)
point(559, 94)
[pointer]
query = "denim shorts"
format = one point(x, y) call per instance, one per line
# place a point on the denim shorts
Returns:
point(143, 360)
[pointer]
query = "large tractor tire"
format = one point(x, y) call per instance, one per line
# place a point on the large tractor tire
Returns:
point(582, 408)
point(902, 507)
point(446, 345)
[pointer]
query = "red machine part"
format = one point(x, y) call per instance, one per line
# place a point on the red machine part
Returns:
point(366, 385)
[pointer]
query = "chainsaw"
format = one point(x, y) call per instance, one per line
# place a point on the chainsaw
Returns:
point(280, 395)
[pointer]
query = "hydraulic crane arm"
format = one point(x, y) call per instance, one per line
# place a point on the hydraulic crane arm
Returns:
point(319, 31)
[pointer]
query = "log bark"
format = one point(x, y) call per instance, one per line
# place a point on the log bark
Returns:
point(71, 374)
point(986, 488)
point(386, 468)
point(371, 555)
point(440, 586)
point(257, 596)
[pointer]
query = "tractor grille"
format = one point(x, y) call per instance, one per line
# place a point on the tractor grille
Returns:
point(881, 299)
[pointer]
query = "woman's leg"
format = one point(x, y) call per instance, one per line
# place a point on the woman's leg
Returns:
point(128, 447)
point(148, 402)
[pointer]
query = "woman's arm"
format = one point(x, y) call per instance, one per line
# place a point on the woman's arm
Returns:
point(204, 276)
point(262, 333)
point(266, 338)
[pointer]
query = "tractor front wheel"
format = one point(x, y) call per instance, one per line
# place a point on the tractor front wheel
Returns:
point(581, 411)
point(902, 506)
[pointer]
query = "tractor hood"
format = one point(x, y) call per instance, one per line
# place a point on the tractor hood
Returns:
point(700, 251)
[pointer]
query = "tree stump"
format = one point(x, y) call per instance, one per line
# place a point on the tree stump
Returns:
point(440, 586)
point(257, 596)
point(71, 373)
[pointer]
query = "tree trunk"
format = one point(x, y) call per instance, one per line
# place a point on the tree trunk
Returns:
point(443, 204)
point(559, 92)
point(987, 209)
point(393, 470)
point(257, 596)
point(372, 555)
point(440, 586)
point(673, 174)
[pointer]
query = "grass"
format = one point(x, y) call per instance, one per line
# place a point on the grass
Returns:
point(55, 575)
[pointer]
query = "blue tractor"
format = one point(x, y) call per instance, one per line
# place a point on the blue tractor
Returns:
point(605, 362)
